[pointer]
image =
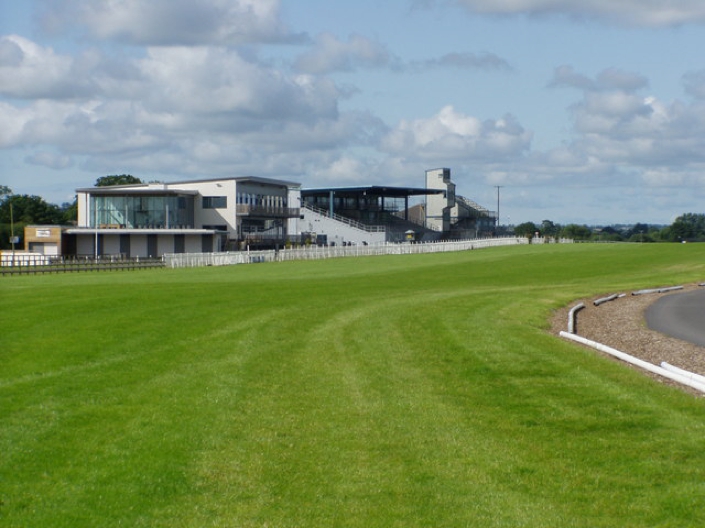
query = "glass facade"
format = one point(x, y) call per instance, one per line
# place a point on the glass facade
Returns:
point(215, 202)
point(261, 200)
point(145, 211)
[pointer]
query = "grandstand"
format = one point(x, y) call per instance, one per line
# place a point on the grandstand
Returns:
point(375, 214)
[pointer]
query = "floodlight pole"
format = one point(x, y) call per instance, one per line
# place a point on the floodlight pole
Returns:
point(498, 187)
point(12, 233)
point(12, 228)
point(95, 222)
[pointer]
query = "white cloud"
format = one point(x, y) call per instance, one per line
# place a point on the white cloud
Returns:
point(616, 124)
point(330, 54)
point(450, 135)
point(216, 91)
point(50, 160)
point(565, 76)
point(30, 71)
point(343, 170)
point(177, 110)
point(170, 22)
point(654, 13)
point(609, 79)
point(616, 79)
point(13, 120)
point(481, 61)
point(11, 54)
point(694, 83)
point(614, 107)
point(624, 142)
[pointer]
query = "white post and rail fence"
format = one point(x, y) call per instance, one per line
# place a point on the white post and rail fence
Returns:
point(187, 260)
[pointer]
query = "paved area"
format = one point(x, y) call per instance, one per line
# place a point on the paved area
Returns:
point(680, 315)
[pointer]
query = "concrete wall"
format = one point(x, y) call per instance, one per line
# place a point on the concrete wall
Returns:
point(338, 232)
point(85, 245)
point(138, 246)
point(438, 206)
point(225, 216)
point(193, 244)
point(83, 202)
point(165, 244)
point(111, 245)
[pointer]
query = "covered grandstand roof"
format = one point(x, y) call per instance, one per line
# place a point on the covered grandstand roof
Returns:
point(372, 190)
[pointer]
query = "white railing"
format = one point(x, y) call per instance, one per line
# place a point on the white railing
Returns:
point(475, 206)
point(20, 258)
point(345, 220)
point(189, 260)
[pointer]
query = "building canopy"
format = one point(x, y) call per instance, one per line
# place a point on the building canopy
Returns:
point(372, 190)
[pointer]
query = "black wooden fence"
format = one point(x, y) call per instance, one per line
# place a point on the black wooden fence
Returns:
point(63, 265)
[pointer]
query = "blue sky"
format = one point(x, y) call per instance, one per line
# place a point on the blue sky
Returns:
point(585, 111)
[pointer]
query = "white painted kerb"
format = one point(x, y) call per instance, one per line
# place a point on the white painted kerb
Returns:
point(683, 380)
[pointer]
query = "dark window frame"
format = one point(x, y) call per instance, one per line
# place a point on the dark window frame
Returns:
point(215, 202)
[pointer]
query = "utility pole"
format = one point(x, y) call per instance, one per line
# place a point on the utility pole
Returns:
point(498, 187)
point(12, 229)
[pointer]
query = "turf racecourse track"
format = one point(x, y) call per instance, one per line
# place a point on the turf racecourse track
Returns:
point(405, 390)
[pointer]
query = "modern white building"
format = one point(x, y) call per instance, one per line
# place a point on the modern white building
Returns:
point(148, 220)
point(151, 219)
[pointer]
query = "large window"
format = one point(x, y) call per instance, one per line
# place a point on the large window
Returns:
point(145, 211)
point(270, 201)
point(215, 202)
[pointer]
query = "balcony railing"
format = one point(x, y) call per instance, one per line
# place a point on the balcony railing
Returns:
point(262, 211)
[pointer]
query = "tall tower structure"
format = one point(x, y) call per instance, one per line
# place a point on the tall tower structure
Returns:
point(439, 206)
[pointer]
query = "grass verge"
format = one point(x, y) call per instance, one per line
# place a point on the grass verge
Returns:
point(386, 391)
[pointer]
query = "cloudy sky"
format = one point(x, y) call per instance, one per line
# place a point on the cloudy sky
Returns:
point(586, 111)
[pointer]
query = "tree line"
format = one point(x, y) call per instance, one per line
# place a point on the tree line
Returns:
point(20, 210)
point(689, 227)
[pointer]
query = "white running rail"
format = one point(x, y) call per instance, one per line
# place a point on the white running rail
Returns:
point(190, 260)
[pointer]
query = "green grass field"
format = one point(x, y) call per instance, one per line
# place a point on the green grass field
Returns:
point(414, 391)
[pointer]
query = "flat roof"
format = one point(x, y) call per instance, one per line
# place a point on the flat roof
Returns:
point(136, 189)
point(143, 188)
point(268, 181)
point(372, 190)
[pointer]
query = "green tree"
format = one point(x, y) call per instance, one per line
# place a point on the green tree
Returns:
point(20, 210)
point(29, 210)
point(689, 226)
point(636, 229)
point(641, 237)
point(117, 179)
point(69, 212)
point(607, 234)
point(658, 235)
point(576, 232)
point(548, 228)
point(6, 231)
point(527, 229)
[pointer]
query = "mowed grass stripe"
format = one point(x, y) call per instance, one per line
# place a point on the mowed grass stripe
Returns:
point(354, 436)
point(388, 391)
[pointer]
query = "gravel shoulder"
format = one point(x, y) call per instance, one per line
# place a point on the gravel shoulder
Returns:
point(621, 324)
